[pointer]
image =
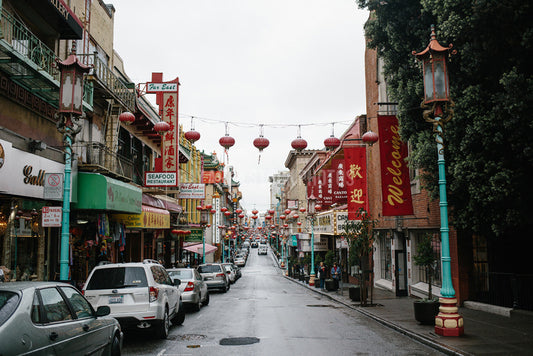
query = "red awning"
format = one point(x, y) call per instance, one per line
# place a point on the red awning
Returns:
point(198, 248)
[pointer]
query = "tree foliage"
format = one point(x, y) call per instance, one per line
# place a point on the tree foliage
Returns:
point(488, 145)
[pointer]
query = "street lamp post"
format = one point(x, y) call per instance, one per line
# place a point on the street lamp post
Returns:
point(438, 112)
point(311, 201)
point(69, 112)
point(204, 220)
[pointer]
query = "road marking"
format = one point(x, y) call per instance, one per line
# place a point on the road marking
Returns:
point(162, 352)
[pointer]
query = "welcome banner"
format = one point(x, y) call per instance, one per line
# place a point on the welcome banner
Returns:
point(356, 184)
point(395, 182)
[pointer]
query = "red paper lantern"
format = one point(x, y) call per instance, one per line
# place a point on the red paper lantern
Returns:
point(226, 141)
point(332, 142)
point(268, 217)
point(299, 223)
point(259, 228)
point(192, 136)
point(208, 206)
point(254, 212)
point(227, 213)
point(161, 127)
point(261, 143)
point(208, 225)
point(213, 211)
point(282, 217)
point(271, 211)
point(295, 216)
point(223, 209)
point(285, 225)
point(287, 211)
point(370, 138)
point(238, 211)
point(299, 144)
point(241, 216)
point(318, 207)
point(126, 118)
point(254, 217)
point(302, 210)
point(199, 207)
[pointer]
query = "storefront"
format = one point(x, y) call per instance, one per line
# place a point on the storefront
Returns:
point(27, 250)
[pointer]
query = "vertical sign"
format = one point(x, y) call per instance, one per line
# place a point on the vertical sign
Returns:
point(356, 186)
point(170, 139)
point(339, 185)
point(395, 181)
point(216, 223)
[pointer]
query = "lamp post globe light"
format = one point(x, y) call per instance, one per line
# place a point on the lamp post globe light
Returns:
point(311, 201)
point(438, 112)
point(69, 112)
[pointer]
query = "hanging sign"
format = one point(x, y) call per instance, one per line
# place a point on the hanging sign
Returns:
point(356, 185)
point(52, 216)
point(395, 182)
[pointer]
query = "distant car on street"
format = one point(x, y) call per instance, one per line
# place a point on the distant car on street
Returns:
point(192, 287)
point(53, 318)
point(240, 261)
point(263, 249)
point(255, 244)
point(230, 272)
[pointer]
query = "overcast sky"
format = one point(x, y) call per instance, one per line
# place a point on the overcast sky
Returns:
point(280, 63)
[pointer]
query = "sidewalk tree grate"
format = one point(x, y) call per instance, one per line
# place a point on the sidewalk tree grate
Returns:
point(235, 341)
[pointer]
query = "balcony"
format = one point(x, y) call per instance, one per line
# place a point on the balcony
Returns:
point(97, 158)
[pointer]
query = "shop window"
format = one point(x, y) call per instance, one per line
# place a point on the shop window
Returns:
point(436, 277)
point(385, 255)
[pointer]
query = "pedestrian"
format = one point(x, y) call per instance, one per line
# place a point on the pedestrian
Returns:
point(336, 274)
point(322, 275)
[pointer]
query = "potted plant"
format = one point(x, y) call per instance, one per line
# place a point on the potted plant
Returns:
point(426, 309)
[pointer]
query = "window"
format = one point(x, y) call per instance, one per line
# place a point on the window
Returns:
point(81, 307)
point(54, 306)
point(437, 273)
point(385, 254)
point(8, 305)
point(111, 278)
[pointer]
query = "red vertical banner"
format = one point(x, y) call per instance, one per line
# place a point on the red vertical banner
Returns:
point(356, 181)
point(170, 148)
point(395, 182)
point(339, 181)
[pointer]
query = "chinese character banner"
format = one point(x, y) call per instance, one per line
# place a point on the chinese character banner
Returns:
point(355, 180)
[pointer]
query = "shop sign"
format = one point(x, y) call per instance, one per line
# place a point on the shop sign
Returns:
point(150, 218)
point(192, 191)
point(196, 235)
point(52, 216)
point(341, 218)
point(160, 179)
point(324, 223)
point(23, 173)
point(212, 177)
point(157, 87)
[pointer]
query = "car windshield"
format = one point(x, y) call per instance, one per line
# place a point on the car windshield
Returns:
point(8, 304)
point(209, 269)
point(121, 277)
point(181, 274)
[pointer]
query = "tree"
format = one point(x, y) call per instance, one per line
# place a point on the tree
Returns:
point(425, 257)
point(488, 146)
point(360, 233)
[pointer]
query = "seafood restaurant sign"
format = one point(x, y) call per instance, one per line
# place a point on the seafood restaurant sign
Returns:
point(166, 167)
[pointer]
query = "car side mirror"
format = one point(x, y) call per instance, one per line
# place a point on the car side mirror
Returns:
point(177, 281)
point(103, 310)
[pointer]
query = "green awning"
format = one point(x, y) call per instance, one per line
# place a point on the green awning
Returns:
point(96, 191)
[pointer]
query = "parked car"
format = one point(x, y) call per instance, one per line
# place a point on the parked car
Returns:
point(214, 276)
point(54, 318)
point(255, 244)
point(141, 295)
point(240, 261)
point(263, 249)
point(192, 287)
point(230, 272)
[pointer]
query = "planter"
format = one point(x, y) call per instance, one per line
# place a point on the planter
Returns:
point(330, 285)
point(355, 293)
point(426, 311)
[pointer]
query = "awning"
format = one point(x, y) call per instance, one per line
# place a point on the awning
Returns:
point(171, 204)
point(153, 201)
point(198, 248)
point(96, 191)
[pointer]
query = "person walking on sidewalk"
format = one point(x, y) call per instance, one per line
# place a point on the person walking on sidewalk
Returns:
point(322, 275)
point(336, 275)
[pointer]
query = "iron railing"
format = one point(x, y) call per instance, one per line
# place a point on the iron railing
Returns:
point(103, 159)
point(504, 289)
point(112, 83)
point(23, 41)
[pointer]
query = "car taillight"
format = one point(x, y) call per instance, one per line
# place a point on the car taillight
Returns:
point(82, 292)
point(154, 292)
point(189, 287)
point(220, 275)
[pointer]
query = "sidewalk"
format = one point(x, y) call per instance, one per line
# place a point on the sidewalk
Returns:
point(485, 333)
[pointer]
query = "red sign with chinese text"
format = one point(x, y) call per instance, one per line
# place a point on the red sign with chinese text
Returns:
point(212, 177)
point(395, 182)
point(356, 184)
point(339, 181)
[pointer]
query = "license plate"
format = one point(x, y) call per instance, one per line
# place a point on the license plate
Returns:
point(208, 278)
point(116, 299)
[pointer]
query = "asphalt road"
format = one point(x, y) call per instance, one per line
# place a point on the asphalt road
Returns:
point(265, 314)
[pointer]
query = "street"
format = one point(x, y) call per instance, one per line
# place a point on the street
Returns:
point(266, 314)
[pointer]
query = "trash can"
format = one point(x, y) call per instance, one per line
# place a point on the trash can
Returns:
point(330, 284)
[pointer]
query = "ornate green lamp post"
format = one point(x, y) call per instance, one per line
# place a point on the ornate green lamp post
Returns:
point(439, 111)
point(69, 112)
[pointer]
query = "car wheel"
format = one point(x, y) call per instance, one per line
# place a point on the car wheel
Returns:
point(206, 301)
point(198, 306)
point(115, 346)
point(180, 317)
point(164, 326)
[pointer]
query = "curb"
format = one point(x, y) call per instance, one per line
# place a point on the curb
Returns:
point(448, 350)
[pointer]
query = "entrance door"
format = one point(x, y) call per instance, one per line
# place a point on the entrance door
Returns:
point(401, 273)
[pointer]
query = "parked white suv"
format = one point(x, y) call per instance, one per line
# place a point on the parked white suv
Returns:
point(140, 295)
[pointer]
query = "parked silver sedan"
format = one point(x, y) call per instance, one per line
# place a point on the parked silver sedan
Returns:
point(193, 288)
point(53, 318)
